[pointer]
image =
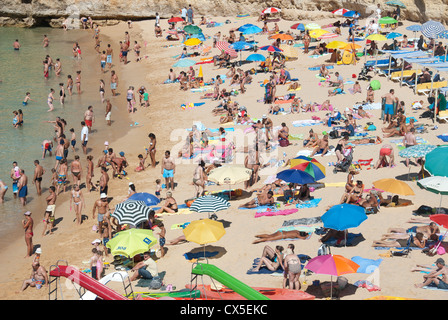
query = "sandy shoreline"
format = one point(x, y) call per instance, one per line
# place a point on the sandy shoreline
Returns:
point(236, 252)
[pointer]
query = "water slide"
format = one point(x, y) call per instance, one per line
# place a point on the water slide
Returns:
point(118, 276)
point(229, 281)
point(86, 282)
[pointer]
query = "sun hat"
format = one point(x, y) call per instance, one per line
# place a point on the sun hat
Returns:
point(103, 195)
point(38, 251)
point(28, 213)
point(96, 241)
point(441, 261)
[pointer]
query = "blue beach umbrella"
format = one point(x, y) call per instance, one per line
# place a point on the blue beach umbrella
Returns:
point(350, 13)
point(256, 57)
point(414, 27)
point(344, 216)
point(271, 49)
point(432, 28)
point(298, 26)
point(245, 26)
point(241, 45)
point(251, 30)
point(183, 63)
point(295, 176)
point(393, 35)
point(147, 198)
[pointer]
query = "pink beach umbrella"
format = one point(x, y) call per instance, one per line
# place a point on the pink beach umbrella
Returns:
point(334, 265)
point(328, 35)
point(224, 45)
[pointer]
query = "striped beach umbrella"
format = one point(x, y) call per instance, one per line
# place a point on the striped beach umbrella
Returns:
point(209, 204)
point(328, 35)
point(271, 10)
point(224, 45)
point(298, 26)
point(271, 49)
point(131, 212)
point(443, 35)
point(432, 28)
point(340, 11)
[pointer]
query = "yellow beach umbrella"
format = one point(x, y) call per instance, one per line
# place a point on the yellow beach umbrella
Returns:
point(394, 186)
point(192, 42)
point(200, 74)
point(317, 33)
point(336, 45)
point(352, 46)
point(204, 231)
point(376, 37)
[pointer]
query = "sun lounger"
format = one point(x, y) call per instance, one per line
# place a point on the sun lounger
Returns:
point(443, 115)
point(396, 76)
point(425, 88)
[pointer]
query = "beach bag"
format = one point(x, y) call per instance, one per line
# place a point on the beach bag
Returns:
point(334, 134)
point(155, 284)
point(324, 249)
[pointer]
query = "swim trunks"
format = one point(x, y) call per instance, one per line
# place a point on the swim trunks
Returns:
point(385, 152)
point(88, 123)
point(108, 116)
point(24, 103)
point(39, 283)
point(58, 158)
point(168, 173)
point(109, 59)
point(389, 109)
point(23, 192)
point(103, 64)
point(73, 143)
point(113, 85)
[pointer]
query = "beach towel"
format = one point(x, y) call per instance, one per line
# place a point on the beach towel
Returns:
point(308, 204)
point(366, 265)
point(443, 137)
point(367, 284)
point(307, 153)
point(270, 213)
point(302, 228)
point(348, 241)
point(302, 221)
point(318, 68)
point(259, 208)
point(305, 123)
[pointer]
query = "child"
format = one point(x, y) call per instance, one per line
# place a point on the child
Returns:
point(158, 188)
point(99, 264)
point(37, 255)
point(54, 177)
point(73, 139)
point(93, 263)
point(146, 99)
point(162, 234)
point(141, 165)
point(27, 98)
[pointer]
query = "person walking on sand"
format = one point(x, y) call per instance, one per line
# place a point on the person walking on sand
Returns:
point(76, 170)
point(389, 105)
point(50, 210)
point(113, 82)
point(77, 199)
point(37, 179)
point(90, 174)
point(152, 149)
point(108, 112)
point(78, 81)
point(84, 136)
point(102, 206)
point(109, 53)
point(89, 118)
point(28, 224)
point(168, 169)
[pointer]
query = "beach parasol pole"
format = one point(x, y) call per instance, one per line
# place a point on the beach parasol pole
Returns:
point(402, 69)
point(390, 63)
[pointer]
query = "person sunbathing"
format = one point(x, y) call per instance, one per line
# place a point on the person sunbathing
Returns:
point(280, 235)
point(321, 147)
point(427, 231)
point(418, 241)
point(354, 195)
point(323, 72)
point(309, 107)
point(295, 105)
point(260, 200)
point(362, 113)
point(294, 86)
point(170, 205)
point(325, 106)
point(270, 258)
point(356, 88)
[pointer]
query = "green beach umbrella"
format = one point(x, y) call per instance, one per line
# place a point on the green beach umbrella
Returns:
point(131, 242)
point(435, 161)
point(192, 29)
point(375, 85)
point(387, 20)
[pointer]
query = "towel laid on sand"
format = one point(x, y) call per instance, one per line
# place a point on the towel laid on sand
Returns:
point(270, 213)
point(366, 265)
point(302, 221)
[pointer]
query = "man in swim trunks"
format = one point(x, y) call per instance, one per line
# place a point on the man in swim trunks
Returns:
point(38, 278)
point(37, 179)
point(102, 205)
point(386, 151)
point(89, 118)
point(263, 199)
point(434, 276)
point(22, 185)
point(113, 82)
point(15, 175)
point(59, 153)
point(49, 211)
point(109, 52)
point(108, 112)
point(168, 169)
point(84, 136)
point(16, 45)
point(389, 105)
point(322, 146)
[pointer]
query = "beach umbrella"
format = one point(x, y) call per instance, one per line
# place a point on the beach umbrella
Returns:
point(435, 184)
point(344, 216)
point(270, 48)
point(336, 45)
point(417, 151)
point(393, 35)
point(245, 26)
point(340, 11)
point(175, 19)
point(349, 14)
point(328, 35)
point(199, 36)
point(443, 35)
point(224, 45)
point(256, 57)
point(414, 28)
point(184, 63)
point(298, 26)
point(131, 212)
point(283, 36)
point(271, 10)
point(295, 176)
point(395, 3)
point(441, 220)
point(387, 20)
point(252, 30)
point(230, 174)
point(333, 265)
point(192, 42)
point(147, 198)
point(241, 45)
point(204, 231)
point(192, 29)
point(435, 161)
point(316, 33)
point(431, 29)
point(376, 37)
point(209, 204)
point(131, 242)
point(312, 169)
point(304, 159)
point(394, 186)
point(352, 46)
point(312, 26)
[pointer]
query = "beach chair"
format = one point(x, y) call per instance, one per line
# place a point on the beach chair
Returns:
point(425, 88)
point(404, 252)
point(442, 116)
point(396, 76)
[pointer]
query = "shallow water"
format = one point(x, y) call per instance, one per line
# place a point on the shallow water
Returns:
point(22, 71)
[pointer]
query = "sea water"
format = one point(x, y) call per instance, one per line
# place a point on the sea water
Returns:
point(21, 71)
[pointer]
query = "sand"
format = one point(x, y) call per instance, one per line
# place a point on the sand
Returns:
point(168, 121)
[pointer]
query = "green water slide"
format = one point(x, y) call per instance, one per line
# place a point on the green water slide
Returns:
point(229, 281)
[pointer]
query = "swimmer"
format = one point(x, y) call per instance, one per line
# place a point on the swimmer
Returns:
point(50, 100)
point(26, 99)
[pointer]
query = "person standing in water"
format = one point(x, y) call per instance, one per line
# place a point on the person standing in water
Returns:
point(37, 179)
point(61, 94)
point(46, 41)
point(50, 100)
point(16, 45)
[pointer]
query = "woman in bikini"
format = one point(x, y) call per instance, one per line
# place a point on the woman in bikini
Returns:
point(170, 205)
point(50, 100)
point(199, 179)
point(280, 235)
point(270, 258)
point(78, 81)
point(102, 85)
point(77, 199)
point(295, 106)
point(355, 194)
point(70, 84)
point(152, 149)
point(90, 174)
point(306, 41)
point(293, 268)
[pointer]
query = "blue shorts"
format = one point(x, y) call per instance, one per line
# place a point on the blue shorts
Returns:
point(389, 109)
point(103, 64)
point(145, 274)
point(23, 192)
point(109, 59)
point(168, 173)
point(58, 158)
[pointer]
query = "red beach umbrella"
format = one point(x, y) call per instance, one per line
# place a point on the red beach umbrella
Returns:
point(271, 10)
point(175, 19)
point(224, 45)
point(340, 12)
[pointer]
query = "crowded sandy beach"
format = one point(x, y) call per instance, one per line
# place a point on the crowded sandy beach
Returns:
point(292, 135)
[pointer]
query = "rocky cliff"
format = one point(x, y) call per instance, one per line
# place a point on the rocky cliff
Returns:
point(51, 12)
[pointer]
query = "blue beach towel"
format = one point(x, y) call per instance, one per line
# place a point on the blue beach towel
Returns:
point(191, 255)
point(366, 265)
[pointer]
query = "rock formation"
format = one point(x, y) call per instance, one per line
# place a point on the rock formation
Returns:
point(28, 13)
